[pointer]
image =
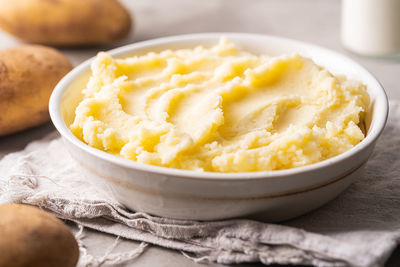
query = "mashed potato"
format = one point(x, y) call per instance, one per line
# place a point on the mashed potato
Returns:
point(219, 109)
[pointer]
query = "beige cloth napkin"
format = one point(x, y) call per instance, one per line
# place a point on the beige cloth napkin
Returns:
point(360, 228)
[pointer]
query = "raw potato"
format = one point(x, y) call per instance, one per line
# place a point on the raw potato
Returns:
point(32, 237)
point(28, 75)
point(65, 22)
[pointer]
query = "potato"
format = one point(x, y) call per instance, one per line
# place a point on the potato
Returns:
point(32, 237)
point(65, 22)
point(28, 75)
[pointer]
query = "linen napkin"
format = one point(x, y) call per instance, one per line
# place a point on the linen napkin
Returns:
point(359, 228)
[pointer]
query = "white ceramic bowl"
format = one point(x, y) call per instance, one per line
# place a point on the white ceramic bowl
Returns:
point(182, 194)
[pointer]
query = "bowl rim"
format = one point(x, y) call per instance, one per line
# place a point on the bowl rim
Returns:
point(56, 97)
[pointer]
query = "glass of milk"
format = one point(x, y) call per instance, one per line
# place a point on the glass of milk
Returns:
point(371, 27)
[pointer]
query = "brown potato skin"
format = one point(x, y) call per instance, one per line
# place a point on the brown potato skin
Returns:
point(32, 237)
point(28, 75)
point(65, 22)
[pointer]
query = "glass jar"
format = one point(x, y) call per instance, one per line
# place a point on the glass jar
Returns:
point(371, 27)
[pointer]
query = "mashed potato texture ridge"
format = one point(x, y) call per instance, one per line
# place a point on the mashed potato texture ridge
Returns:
point(219, 109)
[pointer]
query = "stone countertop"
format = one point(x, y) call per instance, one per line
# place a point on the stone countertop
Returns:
point(314, 21)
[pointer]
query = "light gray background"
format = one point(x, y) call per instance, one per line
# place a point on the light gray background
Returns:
point(314, 21)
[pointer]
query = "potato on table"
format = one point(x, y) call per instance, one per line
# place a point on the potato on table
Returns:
point(32, 237)
point(65, 22)
point(28, 75)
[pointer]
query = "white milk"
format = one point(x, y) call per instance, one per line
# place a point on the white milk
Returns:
point(371, 27)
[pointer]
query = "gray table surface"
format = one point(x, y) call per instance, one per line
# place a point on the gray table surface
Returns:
point(314, 21)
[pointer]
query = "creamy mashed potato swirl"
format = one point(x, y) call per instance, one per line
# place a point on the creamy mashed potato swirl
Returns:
point(219, 109)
